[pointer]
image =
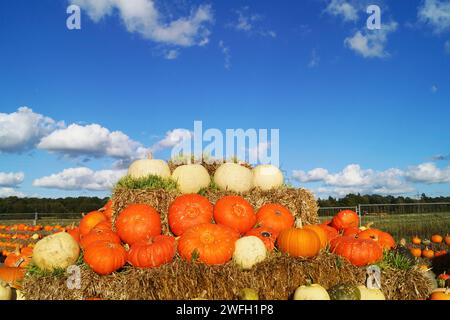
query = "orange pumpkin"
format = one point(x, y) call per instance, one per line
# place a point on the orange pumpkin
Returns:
point(384, 239)
point(187, 211)
point(416, 252)
point(428, 253)
point(275, 216)
point(320, 233)
point(105, 257)
point(74, 232)
point(447, 240)
point(99, 235)
point(440, 295)
point(12, 276)
point(89, 221)
point(108, 210)
point(267, 235)
point(153, 252)
point(299, 242)
point(345, 219)
point(440, 253)
point(331, 232)
point(416, 240)
point(437, 238)
point(359, 252)
point(208, 243)
point(235, 212)
point(17, 259)
point(103, 226)
point(138, 222)
point(351, 232)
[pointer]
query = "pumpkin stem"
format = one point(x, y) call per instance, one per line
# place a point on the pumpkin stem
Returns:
point(299, 223)
point(149, 155)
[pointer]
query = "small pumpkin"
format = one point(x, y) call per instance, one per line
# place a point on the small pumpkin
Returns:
point(208, 243)
point(447, 240)
point(370, 294)
point(311, 292)
point(267, 177)
point(249, 251)
point(344, 291)
point(138, 222)
point(428, 253)
point(416, 240)
point(12, 276)
point(153, 252)
point(416, 252)
point(90, 220)
point(107, 210)
point(191, 178)
point(187, 211)
point(275, 216)
point(437, 238)
point(267, 235)
point(299, 242)
point(235, 212)
point(440, 295)
point(149, 167)
point(105, 257)
point(18, 259)
point(359, 252)
point(384, 239)
point(440, 253)
point(345, 219)
point(99, 235)
point(233, 177)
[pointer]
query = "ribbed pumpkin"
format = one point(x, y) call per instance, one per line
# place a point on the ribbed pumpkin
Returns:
point(331, 232)
point(153, 252)
point(105, 257)
point(208, 243)
point(345, 219)
point(103, 226)
point(99, 235)
point(90, 220)
point(437, 238)
point(235, 212)
point(187, 211)
point(267, 235)
point(320, 233)
point(299, 242)
point(17, 259)
point(275, 216)
point(12, 276)
point(351, 232)
point(138, 222)
point(384, 239)
point(359, 252)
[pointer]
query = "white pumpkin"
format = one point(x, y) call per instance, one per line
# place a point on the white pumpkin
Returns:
point(35, 236)
point(57, 251)
point(149, 167)
point(191, 178)
point(5, 291)
point(311, 292)
point(233, 177)
point(371, 294)
point(267, 177)
point(249, 251)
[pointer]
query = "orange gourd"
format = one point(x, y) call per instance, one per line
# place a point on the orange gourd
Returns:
point(138, 222)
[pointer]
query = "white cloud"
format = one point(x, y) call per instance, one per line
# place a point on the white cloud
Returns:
point(250, 23)
point(371, 43)
point(81, 178)
point(21, 130)
point(428, 173)
point(227, 54)
point(342, 8)
point(11, 179)
point(172, 139)
point(315, 59)
point(314, 175)
point(172, 54)
point(142, 17)
point(10, 192)
point(436, 14)
point(92, 140)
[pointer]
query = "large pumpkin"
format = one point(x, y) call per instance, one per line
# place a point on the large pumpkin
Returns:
point(267, 235)
point(208, 243)
point(275, 216)
point(138, 222)
point(384, 239)
point(153, 252)
point(90, 220)
point(233, 177)
point(331, 232)
point(57, 251)
point(187, 211)
point(105, 257)
point(299, 242)
point(320, 233)
point(235, 212)
point(359, 252)
point(267, 177)
point(149, 167)
point(311, 292)
point(191, 178)
point(345, 219)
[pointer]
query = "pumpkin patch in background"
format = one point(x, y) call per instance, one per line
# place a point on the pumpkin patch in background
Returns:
point(235, 212)
point(188, 211)
point(275, 216)
point(138, 222)
point(208, 243)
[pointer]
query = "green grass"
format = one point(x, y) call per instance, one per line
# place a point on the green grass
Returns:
point(395, 260)
point(150, 182)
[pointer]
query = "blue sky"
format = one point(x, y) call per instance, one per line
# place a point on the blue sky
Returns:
point(358, 110)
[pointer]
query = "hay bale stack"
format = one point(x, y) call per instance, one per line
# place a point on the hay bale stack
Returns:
point(301, 202)
point(274, 279)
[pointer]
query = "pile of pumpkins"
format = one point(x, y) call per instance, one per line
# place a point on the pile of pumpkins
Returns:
point(424, 248)
point(191, 178)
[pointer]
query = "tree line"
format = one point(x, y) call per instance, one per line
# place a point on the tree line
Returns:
point(352, 200)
